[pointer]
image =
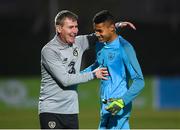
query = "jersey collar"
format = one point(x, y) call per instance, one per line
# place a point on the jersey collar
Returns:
point(113, 44)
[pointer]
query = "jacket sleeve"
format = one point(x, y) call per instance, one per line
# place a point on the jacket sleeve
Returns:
point(90, 68)
point(135, 73)
point(57, 69)
point(86, 41)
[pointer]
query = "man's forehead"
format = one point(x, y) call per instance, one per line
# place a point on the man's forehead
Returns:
point(100, 25)
point(67, 19)
point(69, 22)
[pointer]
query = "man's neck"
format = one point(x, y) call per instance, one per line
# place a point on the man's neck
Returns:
point(114, 36)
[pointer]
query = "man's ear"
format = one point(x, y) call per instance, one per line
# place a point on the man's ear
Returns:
point(112, 27)
point(58, 28)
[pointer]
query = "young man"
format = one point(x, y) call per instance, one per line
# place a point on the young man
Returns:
point(118, 56)
point(60, 66)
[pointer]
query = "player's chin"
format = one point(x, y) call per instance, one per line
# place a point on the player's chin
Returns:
point(71, 41)
point(101, 39)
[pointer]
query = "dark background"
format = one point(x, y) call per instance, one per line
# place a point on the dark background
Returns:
point(26, 26)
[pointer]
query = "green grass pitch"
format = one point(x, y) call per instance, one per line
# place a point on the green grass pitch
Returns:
point(143, 114)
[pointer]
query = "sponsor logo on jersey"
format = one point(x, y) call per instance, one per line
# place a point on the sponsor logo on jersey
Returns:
point(72, 69)
point(65, 60)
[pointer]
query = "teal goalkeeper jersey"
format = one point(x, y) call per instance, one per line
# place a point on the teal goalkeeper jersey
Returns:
point(120, 59)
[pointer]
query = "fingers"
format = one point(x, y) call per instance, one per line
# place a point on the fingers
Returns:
point(104, 71)
point(109, 109)
point(104, 78)
point(131, 25)
point(101, 73)
point(128, 24)
point(114, 112)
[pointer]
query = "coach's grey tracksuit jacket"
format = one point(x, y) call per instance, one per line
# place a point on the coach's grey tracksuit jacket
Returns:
point(60, 67)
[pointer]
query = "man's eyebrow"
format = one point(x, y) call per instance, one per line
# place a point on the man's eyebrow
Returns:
point(98, 30)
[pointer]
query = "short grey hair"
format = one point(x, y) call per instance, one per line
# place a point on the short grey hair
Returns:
point(62, 15)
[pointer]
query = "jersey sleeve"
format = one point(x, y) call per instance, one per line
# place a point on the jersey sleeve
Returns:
point(134, 70)
point(56, 68)
point(90, 68)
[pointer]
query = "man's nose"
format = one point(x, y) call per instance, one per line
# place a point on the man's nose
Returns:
point(97, 34)
point(75, 30)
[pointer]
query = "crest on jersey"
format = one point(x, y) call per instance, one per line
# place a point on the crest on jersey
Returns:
point(75, 52)
point(52, 124)
point(111, 56)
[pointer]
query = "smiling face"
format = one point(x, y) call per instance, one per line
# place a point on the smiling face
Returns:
point(105, 31)
point(68, 30)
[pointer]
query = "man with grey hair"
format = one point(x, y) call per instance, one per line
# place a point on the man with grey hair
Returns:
point(60, 73)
